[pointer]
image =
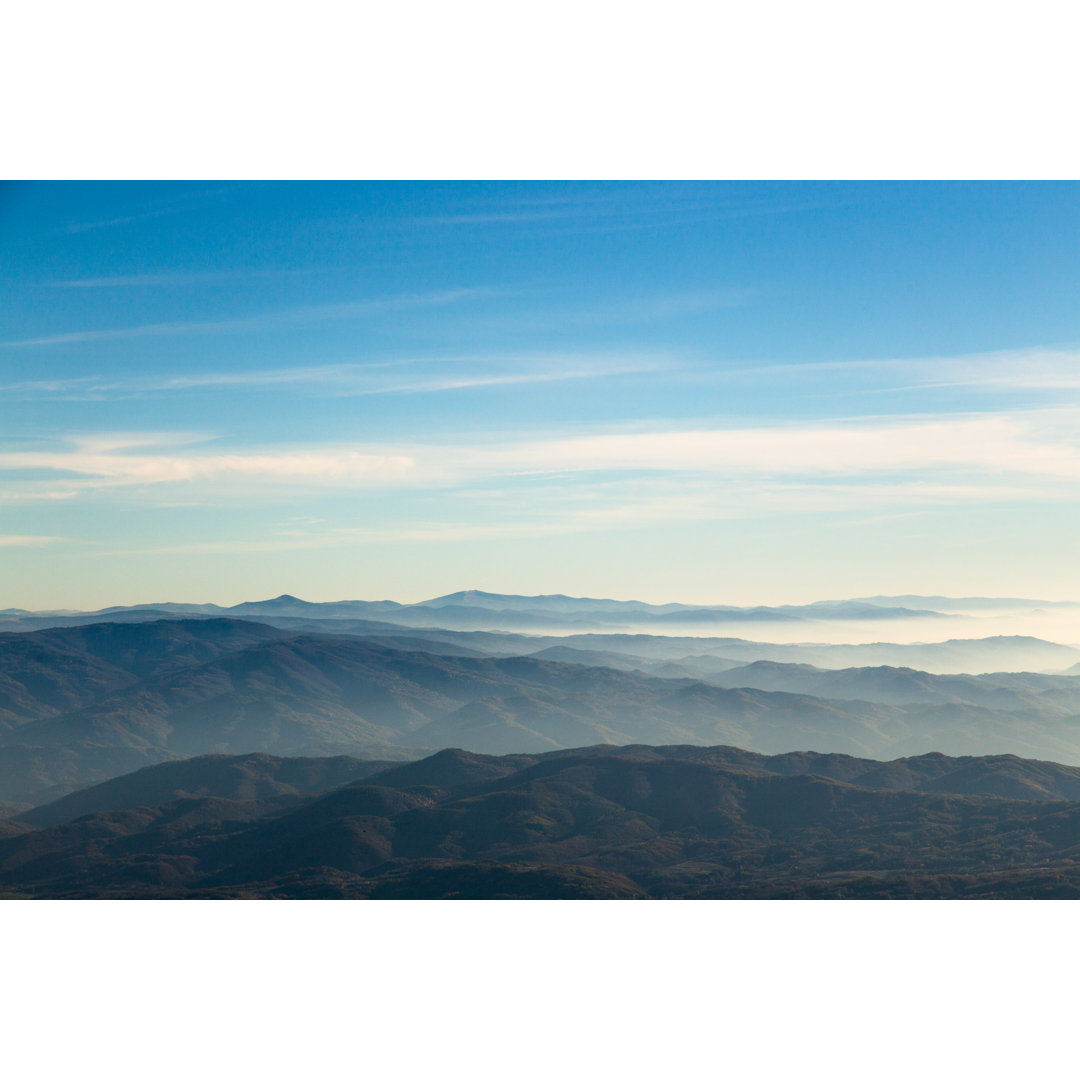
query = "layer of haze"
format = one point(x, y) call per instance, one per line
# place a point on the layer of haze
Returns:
point(1060, 626)
point(706, 393)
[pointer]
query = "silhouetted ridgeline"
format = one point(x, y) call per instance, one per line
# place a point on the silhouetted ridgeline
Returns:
point(474, 609)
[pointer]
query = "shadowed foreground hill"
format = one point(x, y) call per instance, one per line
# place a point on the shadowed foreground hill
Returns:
point(603, 822)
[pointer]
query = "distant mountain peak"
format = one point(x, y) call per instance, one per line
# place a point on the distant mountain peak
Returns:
point(285, 599)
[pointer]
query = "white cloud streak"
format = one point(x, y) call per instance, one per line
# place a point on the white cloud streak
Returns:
point(955, 450)
point(342, 467)
point(266, 320)
point(109, 223)
point(1006, 370)
point(27, 541)
point(362, 379)
point(992, 444)
point(172, 280)
point(175, 205)
point(599, 508)
point(602, 211)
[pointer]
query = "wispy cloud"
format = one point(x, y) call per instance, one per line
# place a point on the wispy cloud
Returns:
point(1036, 451)
point(37, 492)
point(995, 443)
point(1034, 368)
point(127, 219)
point(439, 532)
point(264, 320)
point(126, 281)
point(27, 541)
point(176, 205)
point(111, 468)
point(612, 208)
point(363, 379)
point(606, 508)
point(1026, 369)
point(632, 309)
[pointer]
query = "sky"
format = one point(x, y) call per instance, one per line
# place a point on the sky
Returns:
point(708, 393)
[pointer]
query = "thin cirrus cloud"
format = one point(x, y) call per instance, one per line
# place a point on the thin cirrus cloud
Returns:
point(14, 540)
point(110, 223)
point(435, 532)
point(981, 443)
point(177, 205)
point(129, 281)
point(362, 379)
point(113, 467)
point(659, 307)
point(1036, 368)
point(623, 209)
point(548, 514)
point(265, 320)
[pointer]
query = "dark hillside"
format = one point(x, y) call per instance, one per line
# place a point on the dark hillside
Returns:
point(669, 821)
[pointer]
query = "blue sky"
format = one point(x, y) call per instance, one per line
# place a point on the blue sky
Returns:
point(700, 392)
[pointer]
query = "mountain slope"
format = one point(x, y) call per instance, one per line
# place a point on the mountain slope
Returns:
point(54, 671)
point(904, 686)
point(246, 778)
point(107, 699)
point(634, 821)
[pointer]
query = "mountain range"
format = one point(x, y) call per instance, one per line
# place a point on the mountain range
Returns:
point(81, 704)
point(473, 609)
point(595, 822)
point(481, 745)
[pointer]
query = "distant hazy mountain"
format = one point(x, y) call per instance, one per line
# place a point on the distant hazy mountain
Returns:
point(553, 604)
point(904, 686)
point(964, 603)
point(698, 656)
point(290, 605)
point(303, 694)
point(82, 704)
point(612, 659)
point(56, 671)
point(474, 609)
point(599, 822)
point(957, 655)
point(570, 605)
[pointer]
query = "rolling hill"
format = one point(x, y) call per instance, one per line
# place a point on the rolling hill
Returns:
point(598, 822)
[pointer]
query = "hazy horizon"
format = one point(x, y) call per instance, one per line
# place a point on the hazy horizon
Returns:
point(1060, 624)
